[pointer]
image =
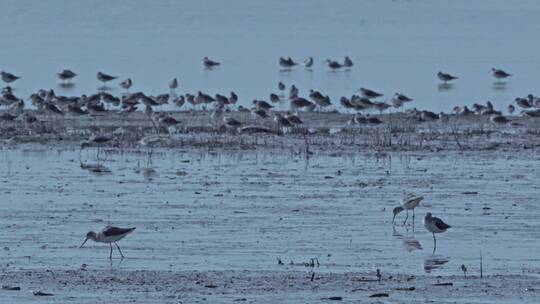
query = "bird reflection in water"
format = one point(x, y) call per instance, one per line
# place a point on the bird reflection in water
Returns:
point(433, 262)
point(409, 242)
point(443, 87)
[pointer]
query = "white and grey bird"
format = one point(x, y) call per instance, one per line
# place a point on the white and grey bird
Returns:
point(110, 235)
point(409, 202)
point(308, 63)
point(126, 84)
point(435, 225)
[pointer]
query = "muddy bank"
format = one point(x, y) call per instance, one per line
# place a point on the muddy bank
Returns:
point(91, 286)
point(324, 132)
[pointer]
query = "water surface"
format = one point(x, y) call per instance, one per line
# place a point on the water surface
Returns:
point(398, 46)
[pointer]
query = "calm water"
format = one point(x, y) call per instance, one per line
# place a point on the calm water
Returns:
point(396, 45)
point(242, 211)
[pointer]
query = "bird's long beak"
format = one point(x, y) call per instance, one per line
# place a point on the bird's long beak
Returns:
point(84, 242)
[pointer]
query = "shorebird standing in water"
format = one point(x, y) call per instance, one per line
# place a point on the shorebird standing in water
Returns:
point(105, 78)
point(287, 63)
point(66, 75)
point(281, 86)
point(348, 62)
point(435, 225)
point(445, 77)
point(409, 202)
point(173, 84)
point(334, 65)
point(109, 235)
point(8, 77)
point(367, 93)
point(95, 141)
point(499, 74)
point(210, 64)
point(126, 84)
point(308, 63)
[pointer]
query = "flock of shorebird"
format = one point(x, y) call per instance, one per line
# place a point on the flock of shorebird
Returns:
point(434, 225)
point(362, 101)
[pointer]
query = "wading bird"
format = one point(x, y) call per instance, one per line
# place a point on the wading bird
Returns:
point(409, 202)
point(109, 235)
point(435, 225)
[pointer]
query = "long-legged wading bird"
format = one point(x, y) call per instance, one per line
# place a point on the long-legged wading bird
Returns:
point(409, 202)
point(435, 225)
point(109, 234)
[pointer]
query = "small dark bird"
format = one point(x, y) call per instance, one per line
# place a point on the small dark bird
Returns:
point(464, 269)
point(8, 77)
point(66, 75)
point(367, 93)
point(209, 64)
point(104, 77)
point(499, 74)
point(334, 65)
point(445, 77)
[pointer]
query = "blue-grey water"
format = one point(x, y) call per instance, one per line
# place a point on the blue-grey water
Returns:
point(208, 211)
point(397, 46)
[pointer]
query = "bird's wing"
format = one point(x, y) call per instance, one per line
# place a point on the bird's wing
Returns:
point(440, 224)
point(112, 231)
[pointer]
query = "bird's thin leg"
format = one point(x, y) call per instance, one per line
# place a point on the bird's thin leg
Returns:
point(406, 217)
point(413, 218)
point(110, 254)
point(121, 254)
point(434, 243)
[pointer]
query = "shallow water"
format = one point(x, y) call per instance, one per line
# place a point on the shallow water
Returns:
point(396, 45)
point(211, 211)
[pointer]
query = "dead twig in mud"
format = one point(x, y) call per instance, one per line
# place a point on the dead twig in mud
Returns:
point(481, 266)
point(306, 146)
